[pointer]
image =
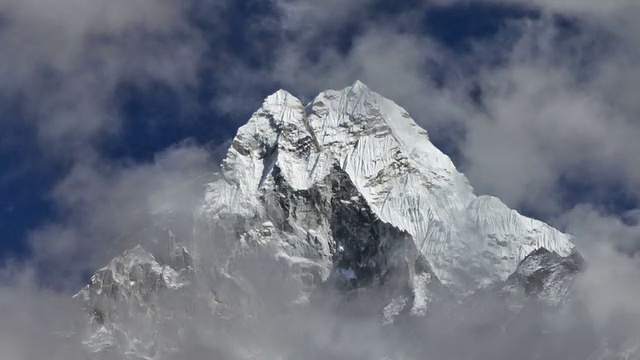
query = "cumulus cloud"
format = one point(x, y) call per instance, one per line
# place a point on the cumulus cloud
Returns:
point(548, 106)
point(306, 19)
point(35, 323)
point(108, 208)
point(608, 285)
point(541, 128)
point(588, 7)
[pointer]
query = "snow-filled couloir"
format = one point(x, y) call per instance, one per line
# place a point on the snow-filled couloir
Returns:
point(273, 177)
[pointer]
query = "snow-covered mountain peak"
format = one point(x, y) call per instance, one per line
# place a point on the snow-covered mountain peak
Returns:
point(470, 241)
point(341, 119)
point(339, 210)
point(359, 86)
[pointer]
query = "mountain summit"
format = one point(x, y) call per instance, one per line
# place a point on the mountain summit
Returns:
point(470, 241)
point(343, 203)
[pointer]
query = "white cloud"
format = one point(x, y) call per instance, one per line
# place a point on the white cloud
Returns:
point(595, 229)
point(107, 208)
point(35, 323)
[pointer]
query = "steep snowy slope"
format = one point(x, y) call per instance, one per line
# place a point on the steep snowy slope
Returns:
point(545, 276)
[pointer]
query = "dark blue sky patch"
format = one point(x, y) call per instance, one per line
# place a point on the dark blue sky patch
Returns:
point(341, 39)
point(246, 31)
point(344, 37)
point(153, 118)
point(395, 8)
point(252, 31)
point(608, 198)
point(26, 177)
point(448, 140)
point(458, 26)
point(584, 51)
point(611, 197)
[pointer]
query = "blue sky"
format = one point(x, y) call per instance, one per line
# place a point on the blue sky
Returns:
point(520, 94)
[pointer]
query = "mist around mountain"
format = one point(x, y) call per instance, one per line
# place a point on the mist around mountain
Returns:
point(287, 253)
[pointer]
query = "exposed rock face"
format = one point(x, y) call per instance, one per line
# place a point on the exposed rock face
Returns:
point(344, 204)
point(545, 276)
point(122, 298)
